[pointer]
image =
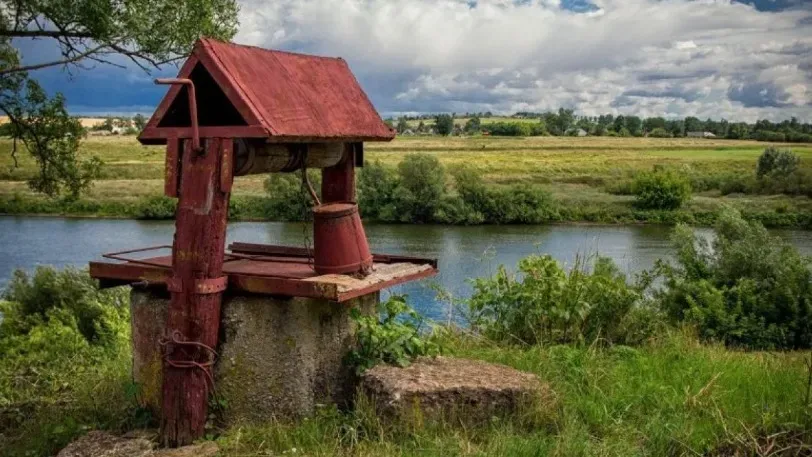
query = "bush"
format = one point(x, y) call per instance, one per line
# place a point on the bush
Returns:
point(545, 304)
point(516, 204)
point(70, 297)
point(64, 361)
point(376, 191)
point(393, 336)
point(660, 189)
point(421, 186)
point(444, 124)
point(746, 289)
point(775, 162)
point(287, 198)
point(659, 132)
point(158, 207)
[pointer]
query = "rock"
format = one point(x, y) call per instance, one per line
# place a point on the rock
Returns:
point(448, 388)
point(207, 449)
point(103, 444)
point(132, 444)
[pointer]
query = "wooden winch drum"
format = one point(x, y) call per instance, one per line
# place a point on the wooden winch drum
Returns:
point(339, 242)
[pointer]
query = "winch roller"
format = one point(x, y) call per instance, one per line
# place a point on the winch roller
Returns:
point(255, 157)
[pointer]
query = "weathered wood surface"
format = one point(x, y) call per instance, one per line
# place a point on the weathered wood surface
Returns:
point(197, 254)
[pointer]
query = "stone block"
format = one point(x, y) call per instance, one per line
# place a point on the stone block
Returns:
point(278, 358)
point(443, 388)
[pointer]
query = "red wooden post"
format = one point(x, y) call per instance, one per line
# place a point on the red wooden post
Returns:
point(338, 181)
point(196, 287)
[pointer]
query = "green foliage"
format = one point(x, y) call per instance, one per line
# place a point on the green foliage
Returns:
point(403, 125)
point(746, 289)
point(393, 336)
point(775, 162)
point(659, 132)
point(545, 304)
point(64, 360)
point(158, 207)
point(473, 125)
point(661, 190)
point(288, 200)
point(52, 137)
point(444, 124)
point(376, 186)
point(516, 204)
point(139, 122)
point(69, 297)
point(421, 185)
point(148, 32)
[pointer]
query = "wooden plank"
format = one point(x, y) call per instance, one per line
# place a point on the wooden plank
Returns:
point(227, 166)
point(171, 170)
point(267, 249)
point(383, 276)
point(160, 135)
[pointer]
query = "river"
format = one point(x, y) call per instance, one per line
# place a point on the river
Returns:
point(463, 252)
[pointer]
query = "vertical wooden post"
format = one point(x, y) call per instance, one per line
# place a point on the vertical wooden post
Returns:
point(196, 288)
point(338, 181)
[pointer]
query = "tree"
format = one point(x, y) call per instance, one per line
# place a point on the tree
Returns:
point(139, 122)
point(565, 120)
point(444, 123)
point(403, 125)
point(635, 125)
point(473, 125)
point(149, 33)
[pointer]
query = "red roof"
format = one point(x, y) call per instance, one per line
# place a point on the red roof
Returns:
point(289, 96)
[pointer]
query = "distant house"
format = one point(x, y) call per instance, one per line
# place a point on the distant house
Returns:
point(700, 135)
point(580, 132)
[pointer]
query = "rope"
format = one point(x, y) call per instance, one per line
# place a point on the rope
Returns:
point(177, 339)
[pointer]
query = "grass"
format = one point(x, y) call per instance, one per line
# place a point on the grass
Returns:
point(670, 397)
point(580, 172)
point(673, 397)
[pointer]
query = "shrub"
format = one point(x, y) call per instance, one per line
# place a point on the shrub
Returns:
point(545, 304)
point(393, 336)
point(64, 361)
point(444, 124)
point(746, 289)
point(70, 297)
point(376, 191)
point(421, 185)
point(158, 207)
point(516, 204)
point(660, 189)
point(287, 198)
point(776, 162)
point(659, 132)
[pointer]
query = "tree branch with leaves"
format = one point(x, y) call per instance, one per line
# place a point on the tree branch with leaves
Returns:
point(146, 33)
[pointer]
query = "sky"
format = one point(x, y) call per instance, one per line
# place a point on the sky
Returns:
point(738, 60)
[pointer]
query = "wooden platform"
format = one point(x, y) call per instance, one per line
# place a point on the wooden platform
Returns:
point(270, 270)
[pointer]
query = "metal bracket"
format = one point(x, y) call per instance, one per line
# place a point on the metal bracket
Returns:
point(200, 286)
point(192, 108)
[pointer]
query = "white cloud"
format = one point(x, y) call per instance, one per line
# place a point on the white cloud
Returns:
point(710, 58)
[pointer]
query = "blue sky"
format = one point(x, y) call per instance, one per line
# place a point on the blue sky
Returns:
point(709, 58)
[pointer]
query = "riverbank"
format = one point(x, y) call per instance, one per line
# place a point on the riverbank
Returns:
point(584, 178)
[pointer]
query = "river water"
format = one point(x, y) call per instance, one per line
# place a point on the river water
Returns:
point(463, 252)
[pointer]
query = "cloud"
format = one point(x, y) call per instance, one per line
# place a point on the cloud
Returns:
point(715, 58)
point(708, 58)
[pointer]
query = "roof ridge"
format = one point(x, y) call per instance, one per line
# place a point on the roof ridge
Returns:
point(271, 51)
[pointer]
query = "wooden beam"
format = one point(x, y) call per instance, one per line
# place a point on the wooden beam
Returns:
point(193, 318)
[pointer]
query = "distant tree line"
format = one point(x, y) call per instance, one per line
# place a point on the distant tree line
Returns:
point(565, 122)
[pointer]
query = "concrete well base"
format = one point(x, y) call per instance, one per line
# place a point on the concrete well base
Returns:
point(278, 357)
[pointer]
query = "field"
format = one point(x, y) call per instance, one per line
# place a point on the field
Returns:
point(582, 174)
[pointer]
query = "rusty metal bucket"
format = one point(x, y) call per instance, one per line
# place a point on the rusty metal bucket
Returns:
point(339, 242)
